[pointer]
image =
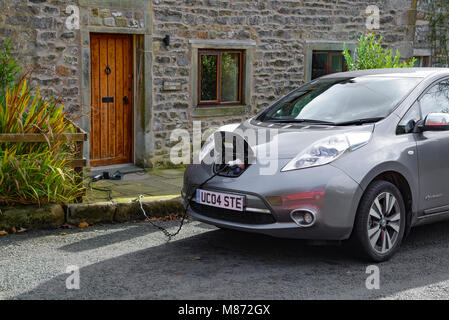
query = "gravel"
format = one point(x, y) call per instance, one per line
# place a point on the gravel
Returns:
point(134, 261)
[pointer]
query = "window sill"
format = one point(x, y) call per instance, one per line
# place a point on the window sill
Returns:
point(218, 111)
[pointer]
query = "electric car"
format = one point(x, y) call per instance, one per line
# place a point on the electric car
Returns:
point(360, 156)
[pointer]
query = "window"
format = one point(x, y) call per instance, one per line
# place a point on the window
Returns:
point(220, 77)
point(436, 99)
point(327, 62)
point(422, 62)
point(412, 114)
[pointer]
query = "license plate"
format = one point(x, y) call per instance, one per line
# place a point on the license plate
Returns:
point(220, 200)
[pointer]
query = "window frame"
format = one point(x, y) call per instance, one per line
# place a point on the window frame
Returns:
point(417, 102)
point(219, 53)
point(330, 54)
point(323, 45)
point(416, 105)
point(425, 91)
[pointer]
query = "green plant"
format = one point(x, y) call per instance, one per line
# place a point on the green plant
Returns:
point(9, 69)
point(370, 54)
point(24, 112)
point(37, 178)
point(35, 172)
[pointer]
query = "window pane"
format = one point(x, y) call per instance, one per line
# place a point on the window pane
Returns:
point(230, 75)
point(319, 63)
point(324, 63)
point(423, 61)
point(209, 77)
point(436, 99)
point(336, 63)
point(412, 114)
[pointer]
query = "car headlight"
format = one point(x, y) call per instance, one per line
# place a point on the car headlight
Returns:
point(327, 150)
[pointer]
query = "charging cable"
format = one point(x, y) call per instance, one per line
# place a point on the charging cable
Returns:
point(184, 216)
point(118, 175)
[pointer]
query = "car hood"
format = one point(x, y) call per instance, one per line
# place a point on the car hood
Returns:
point(287, 139)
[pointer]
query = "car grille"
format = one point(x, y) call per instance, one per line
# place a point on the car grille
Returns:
point(231, 215)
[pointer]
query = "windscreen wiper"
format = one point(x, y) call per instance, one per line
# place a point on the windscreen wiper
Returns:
point(359, 121)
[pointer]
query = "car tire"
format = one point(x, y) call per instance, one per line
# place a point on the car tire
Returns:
point(380, 222)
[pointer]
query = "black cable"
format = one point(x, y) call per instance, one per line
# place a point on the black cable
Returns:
point(164, 230)
point(108, 190)
point(184, 216)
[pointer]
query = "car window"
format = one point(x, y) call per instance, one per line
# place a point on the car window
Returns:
point(412, 114)
point(436, 99)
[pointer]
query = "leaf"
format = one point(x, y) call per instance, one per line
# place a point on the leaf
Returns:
point(61, 173)
point(83, 225)
point(63, 234)
point(3, 233)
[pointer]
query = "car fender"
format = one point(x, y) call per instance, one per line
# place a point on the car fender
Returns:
point(393, 166)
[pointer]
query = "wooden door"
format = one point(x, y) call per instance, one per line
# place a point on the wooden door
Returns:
point(111, 99)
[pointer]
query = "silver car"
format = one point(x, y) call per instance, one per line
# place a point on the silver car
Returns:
point(360, 156)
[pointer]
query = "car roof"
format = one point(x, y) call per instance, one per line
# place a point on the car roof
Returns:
point(395, 72)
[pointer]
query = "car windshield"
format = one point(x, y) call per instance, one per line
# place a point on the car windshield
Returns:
point(342, 101)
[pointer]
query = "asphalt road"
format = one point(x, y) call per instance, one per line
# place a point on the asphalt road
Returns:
point(134, 261)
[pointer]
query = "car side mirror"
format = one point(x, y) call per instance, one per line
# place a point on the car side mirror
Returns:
point(436, 122)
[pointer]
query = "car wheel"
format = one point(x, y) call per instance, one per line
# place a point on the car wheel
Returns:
point(380, 221)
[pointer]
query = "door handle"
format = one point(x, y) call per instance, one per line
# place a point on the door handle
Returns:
point(125, 100)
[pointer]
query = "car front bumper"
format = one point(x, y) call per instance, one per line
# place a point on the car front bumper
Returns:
point(330, 193)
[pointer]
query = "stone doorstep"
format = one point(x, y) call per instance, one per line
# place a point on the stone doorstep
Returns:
point(120, 210)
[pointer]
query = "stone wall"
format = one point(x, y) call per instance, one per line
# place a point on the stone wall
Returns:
point(107, 15)
point(44, 45)
point(280, 30)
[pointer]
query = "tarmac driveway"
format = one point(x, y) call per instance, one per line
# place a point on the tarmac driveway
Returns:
point(134, 261)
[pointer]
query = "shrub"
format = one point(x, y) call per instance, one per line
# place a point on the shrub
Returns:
point(9, 69)
point(371, 55)
point(35, 172)
point(37, 178)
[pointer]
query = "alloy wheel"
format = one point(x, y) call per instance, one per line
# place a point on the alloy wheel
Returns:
point(384, 222)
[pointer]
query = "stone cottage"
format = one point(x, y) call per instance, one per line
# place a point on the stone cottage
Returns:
point(131, 71)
